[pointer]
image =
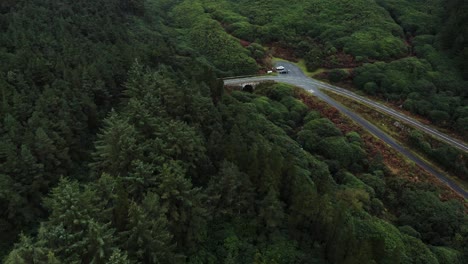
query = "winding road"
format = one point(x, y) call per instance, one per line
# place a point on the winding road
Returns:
point(297, 78)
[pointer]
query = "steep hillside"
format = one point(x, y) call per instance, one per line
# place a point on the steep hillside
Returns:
point(411, 53)
point(119, 144)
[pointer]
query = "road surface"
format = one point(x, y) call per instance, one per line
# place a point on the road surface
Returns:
point(297, 78)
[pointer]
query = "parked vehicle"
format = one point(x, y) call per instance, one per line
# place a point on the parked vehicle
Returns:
point(281, 70)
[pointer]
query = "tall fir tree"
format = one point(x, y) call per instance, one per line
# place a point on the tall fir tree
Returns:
point(147, 238)
point(116, 146)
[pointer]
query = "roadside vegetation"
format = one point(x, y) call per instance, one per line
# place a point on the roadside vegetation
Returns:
point(411, 53)
point(446, 157)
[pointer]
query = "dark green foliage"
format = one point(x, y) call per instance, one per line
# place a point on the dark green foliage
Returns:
point(314, 56)
point(454, 32)
point(422, 91)
point(375, 181)
point(222, 50)
point(63, 66)
point(320, 136)
point(119, 121)
point(205, 37)
point(447, 255)
point(416, 47)
point(118, 257)
point(76, 229)
point(256, 51)
point(116, 146)
point(265, 200)
point(231, 191)
point(27, 252)
point(415, 17)
point(434, 91)
point(148, 239)
point(360, 28)
point(438, 222)
point(337, 75)
point(448, 157)
point(418, 252)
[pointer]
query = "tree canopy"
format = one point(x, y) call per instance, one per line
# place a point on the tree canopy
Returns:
point(119, 144)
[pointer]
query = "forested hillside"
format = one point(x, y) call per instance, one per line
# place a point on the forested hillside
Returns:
point(118, 144)
point(412, 53)
point(63, 68)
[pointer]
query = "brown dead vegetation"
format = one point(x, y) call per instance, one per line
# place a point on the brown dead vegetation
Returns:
point(394, 161)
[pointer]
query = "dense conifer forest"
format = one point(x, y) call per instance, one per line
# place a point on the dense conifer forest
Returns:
point(119, 143)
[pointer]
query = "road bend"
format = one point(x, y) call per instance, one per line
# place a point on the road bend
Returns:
point(297, 78)
point(297, 73)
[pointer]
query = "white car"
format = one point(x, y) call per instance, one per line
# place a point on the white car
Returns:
point(281, 70)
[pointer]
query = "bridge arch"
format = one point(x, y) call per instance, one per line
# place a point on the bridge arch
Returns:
point(248, 87)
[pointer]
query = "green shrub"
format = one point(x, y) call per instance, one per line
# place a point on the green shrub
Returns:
point(337, 75)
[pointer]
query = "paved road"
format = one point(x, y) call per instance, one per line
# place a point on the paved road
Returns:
point(297, 78)
point(300, 77)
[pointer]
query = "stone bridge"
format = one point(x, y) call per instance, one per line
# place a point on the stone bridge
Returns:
point(244, 86)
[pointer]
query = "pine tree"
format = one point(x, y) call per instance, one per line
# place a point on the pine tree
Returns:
point(142, 177)
point(183, 205)
point(26, 251)
point(148, 239)
point(45, 150)
point(116, 146)
point(114, 200)
point(118, 257)
point(270, 211)
point(178, 141)
point(137, 84)
point(231, 191)
point(72, 231)
point(142, 118)
point(100, 240)
point(236, 149)
point(146, 88)
point(270, 160)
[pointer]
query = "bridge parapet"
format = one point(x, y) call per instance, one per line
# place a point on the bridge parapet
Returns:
point(246, 85)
